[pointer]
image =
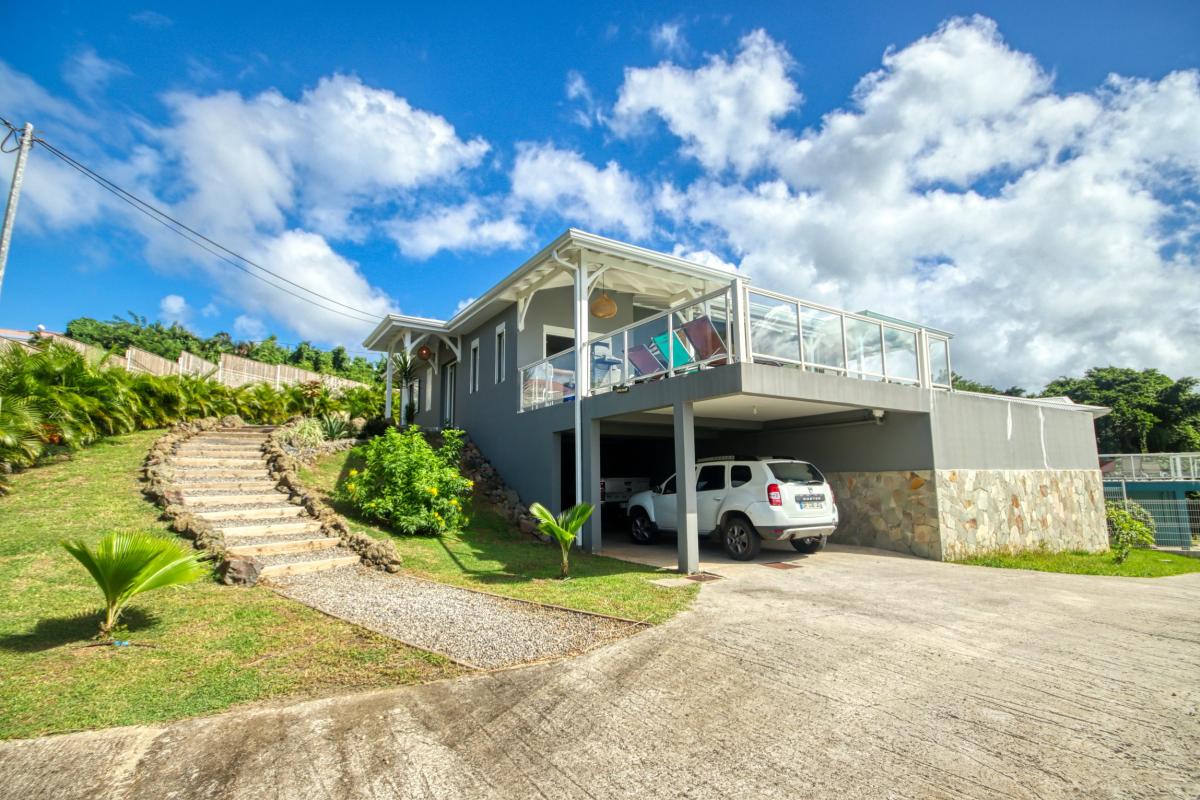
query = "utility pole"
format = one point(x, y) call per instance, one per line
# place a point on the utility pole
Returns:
point(14, 194)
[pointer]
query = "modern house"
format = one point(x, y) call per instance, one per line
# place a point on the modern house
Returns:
point(596, 358)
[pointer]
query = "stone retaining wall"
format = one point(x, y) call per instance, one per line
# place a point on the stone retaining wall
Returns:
point(952, 514)
point(984, 511)
point(890, 510)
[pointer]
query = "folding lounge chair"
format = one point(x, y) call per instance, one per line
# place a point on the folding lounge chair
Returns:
point(681, 357)
point(643, 361)
point(705, 340)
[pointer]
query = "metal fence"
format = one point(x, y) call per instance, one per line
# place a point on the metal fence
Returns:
point(1176, 519)
point(1151, 466)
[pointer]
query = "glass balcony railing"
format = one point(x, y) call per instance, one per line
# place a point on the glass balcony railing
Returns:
point(1150, 466)
point(778, 330)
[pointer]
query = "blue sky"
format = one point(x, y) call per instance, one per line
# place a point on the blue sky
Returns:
point(973, 166)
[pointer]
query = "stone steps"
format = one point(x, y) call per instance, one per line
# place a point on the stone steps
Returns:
point(265, 498)
point(253, 528)
point(282, 547)
point(219, 461)
point(270, 512)
point(299, 563)
point(222, 476)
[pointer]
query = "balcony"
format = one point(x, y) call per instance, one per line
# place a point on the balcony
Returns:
point(740, 323)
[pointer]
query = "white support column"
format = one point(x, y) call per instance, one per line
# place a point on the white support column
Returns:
point(741, 313)
point(591, 484)
point(387, 385)
point(686, 523)
point(582, 373)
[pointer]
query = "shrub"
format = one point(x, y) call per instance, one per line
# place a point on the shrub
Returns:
point(1136, 510)
point(126, 564)
point(304, 434)
point(335, 427)
point(1126, 531)
point(408, 485)
point(376, 426)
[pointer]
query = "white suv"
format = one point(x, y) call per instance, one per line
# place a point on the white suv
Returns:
point(742, 501)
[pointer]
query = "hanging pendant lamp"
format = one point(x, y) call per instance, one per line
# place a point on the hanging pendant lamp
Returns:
point(603, 307)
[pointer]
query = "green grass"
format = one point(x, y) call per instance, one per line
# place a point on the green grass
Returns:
point(212, 646)
point(1140, 564)
point(492, 556)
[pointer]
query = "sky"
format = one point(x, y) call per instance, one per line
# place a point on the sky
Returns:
point(1026, 176)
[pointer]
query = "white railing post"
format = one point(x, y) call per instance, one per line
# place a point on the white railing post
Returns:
point(741, 326)
point(670, 343)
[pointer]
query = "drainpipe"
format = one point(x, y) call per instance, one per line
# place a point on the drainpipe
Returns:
point(581, 372)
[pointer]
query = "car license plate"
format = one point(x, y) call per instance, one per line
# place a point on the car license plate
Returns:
point(810, 500)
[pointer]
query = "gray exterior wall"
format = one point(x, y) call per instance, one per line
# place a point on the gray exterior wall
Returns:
point(896, 481)
point(985, 433)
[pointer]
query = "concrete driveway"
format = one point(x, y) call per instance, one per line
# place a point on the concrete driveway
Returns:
point(859, 674)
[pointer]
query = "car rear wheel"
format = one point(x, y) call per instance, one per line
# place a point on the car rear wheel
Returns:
point(810, 544)
point(641, 529)
point(740, 540)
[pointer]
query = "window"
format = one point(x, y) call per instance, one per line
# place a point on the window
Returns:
point(500, 353)
point(739, 474)
point(711, 478)
point(669, 486)
point(796, 472)
point(429, 389)
point(473, 377)
point(555, 340)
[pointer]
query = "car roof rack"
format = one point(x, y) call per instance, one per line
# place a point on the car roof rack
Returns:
point(746, 458)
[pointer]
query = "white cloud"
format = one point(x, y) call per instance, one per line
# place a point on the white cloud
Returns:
point(668, 37)
point(89, 74)
point(725, 111)
point(547, 178)
point(252, 162)
point(960, 190)
point(703, 256)
point(152, 19)
point(466, 301)
point(250, 328)
point(174, 309)
point(210, 310)
point(307, 259)
point(588, 112)
point(463, 227)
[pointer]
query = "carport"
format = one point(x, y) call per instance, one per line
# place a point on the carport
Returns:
point(837, 437)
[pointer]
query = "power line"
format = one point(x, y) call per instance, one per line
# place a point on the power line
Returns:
point(199, 239)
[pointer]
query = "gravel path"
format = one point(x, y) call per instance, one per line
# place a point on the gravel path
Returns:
point(471, 627)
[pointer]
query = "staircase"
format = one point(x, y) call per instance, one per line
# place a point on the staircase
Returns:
point(221, 476)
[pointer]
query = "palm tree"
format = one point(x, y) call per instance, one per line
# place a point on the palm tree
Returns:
point(564, 528)
point(405, 374)
point(126, 564)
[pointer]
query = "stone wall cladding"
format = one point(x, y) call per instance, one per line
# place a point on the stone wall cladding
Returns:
point(985, 511)
point(890, 510)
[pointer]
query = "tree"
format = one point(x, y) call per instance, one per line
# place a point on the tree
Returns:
point(964, 384)
point(126, 564)
point(1150, 411)
point(563, 528)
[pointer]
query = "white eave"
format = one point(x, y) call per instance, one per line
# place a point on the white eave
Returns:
point(617, 265)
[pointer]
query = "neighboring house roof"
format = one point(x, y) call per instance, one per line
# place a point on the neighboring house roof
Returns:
point(622, 267)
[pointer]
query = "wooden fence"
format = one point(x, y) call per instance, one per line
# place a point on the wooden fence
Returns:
point(231, 370)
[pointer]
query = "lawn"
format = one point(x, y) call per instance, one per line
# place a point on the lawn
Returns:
point(492, 556)
point(1140, 564)
point(212, 646)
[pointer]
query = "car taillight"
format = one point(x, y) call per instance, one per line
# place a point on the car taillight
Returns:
point(774, 496)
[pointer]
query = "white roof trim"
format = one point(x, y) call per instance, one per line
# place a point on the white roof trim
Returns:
point(572, 237)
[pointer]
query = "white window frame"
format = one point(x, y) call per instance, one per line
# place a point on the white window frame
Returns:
point(554, 330)
point(429, 388)
point(501, 342)
point(473, 366)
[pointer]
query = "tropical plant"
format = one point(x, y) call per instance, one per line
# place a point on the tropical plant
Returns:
point(306, 433)
point(1126, 531)
point(563, 528)
point(334, 427)
point(126, 564)
point(408, 484)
